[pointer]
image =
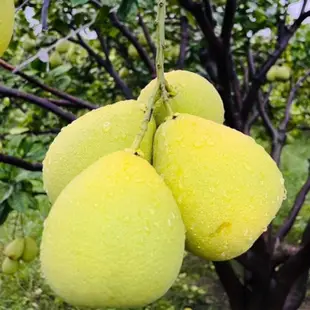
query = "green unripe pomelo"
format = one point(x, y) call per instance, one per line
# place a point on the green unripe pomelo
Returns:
point(283, 73)
point(30, 251)
point(114, 237)
point(95, 134)
point(63, 46)
point(55, 60)
point(14, 250)
point(132, 52)
point(190, 93)
point(7, 14)
point(272, 74)
point(9, 266)
point(227, 186)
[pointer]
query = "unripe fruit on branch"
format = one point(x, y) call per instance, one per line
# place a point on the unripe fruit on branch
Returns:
point(55, 60)
point(9, 266)
point(30, 251)
point(14, 250)
point(112, 231)
point(7, 13)
point(63, 46)
point(227, 186)
point(278, 73)
point(95, 134)
point(190, 93)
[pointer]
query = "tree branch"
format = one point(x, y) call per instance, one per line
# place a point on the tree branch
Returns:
point(262, 102)
point(259, 78)
point(231, 283)
point(18, 162)
point(47, 88)
point(41, 102)
point(147, 35)
point(291, 97)
point(106, 64)
point(291, 270)
point(128, 34)
point(228, 22)
point(204, 23)
point(184, 42)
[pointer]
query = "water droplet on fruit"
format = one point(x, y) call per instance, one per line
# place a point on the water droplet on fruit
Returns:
point(106, 126)
point(169, 223)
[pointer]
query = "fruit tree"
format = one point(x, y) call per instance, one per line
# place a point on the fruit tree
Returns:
point(152, 129)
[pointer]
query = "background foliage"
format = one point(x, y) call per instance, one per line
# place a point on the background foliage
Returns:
point(113, 59)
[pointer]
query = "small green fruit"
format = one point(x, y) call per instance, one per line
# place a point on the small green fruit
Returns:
point(55, 60)
point(123, 73)
point(283, 73)
point(132, 52)
point(15, 249)
point(271, 74)
point(9, 266)
point(30, 251)
point(63, 46)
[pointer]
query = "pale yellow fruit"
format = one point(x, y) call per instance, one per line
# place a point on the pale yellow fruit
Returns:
point(191, 93)
point(114, 237)
point(31, 250)
point(9, 266)
point(55, 60)
point(95, 134)
point(14, 250)
point(7, 13)
point(227, 186)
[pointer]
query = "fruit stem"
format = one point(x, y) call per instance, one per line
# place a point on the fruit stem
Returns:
point(160, 55)
point(160, 89)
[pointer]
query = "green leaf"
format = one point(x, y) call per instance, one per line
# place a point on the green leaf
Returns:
point(22, 201)
point(61, 70)
point(4, 212)
point(78, 2)
point(5, 191)
point(125, 8)
point(102, 20)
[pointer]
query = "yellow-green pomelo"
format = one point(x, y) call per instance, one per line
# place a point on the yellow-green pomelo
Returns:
point(283, 73)
point(14, 250)
point(7, 13)
point(95, 134)
point(190, 93)
point(272, 74)
point(227, 186)
point(63, 46)
point(9, 266)
point(55, 60)
point(114, 237)
point(31, 250)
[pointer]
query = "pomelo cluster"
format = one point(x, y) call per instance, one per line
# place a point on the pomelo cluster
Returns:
point(20, 249)
point(121, 218)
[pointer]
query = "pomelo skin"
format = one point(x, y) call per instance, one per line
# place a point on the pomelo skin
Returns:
point(7, 13)
point(114, 237)
point(190, 93)
point(95, 134)
point(227, 186)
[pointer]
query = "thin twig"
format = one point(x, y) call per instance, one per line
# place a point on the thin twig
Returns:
point(21, 163)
